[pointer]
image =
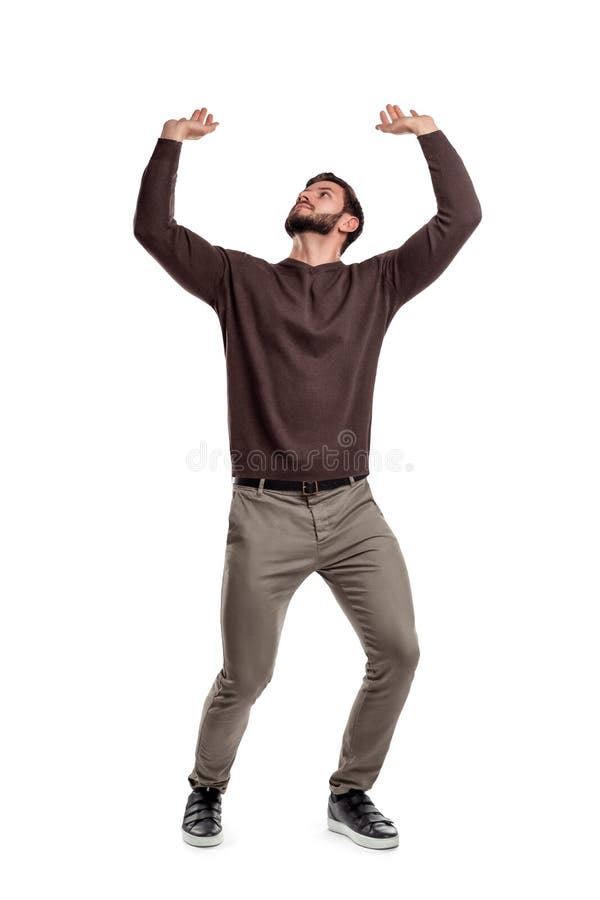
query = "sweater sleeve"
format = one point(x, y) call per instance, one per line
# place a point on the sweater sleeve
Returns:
point(426, 253)
point(196, 265)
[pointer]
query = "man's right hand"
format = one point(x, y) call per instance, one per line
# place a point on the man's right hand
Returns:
point(190, 129)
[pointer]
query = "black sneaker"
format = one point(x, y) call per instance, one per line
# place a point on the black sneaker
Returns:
point(202, 819)
point(355, 815)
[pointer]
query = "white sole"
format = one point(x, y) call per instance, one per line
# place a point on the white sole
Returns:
point(197, 840)
point(363, 840)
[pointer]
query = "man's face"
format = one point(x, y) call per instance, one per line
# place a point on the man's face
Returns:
point(318, 208)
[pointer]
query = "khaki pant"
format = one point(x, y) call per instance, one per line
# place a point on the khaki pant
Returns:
point(275, 540)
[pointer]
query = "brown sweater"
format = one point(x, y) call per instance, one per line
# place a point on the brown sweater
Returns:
point(302, 342)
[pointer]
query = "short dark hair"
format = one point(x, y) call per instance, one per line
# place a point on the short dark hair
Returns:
point(351, 205)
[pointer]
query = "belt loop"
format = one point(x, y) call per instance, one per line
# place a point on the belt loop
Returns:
point(351, 477)
point(259, 489)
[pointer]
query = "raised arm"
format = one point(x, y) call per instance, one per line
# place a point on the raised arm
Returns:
point(196, 265)
point(426, 253)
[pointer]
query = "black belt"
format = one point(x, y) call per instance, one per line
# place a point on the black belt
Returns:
point(277, 485)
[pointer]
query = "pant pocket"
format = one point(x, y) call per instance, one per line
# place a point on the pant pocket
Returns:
point(376, 507)
point(232, 506)
point(374, 502)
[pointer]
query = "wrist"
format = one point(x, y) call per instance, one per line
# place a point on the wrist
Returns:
point(425, 128)
point(173, 132)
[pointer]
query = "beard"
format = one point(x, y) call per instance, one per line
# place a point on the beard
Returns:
point(304, 220)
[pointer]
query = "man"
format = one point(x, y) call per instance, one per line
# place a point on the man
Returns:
point(302, 339)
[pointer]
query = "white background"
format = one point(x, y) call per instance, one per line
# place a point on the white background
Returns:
point(113, 545)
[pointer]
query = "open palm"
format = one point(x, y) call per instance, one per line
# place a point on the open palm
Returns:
point(399, 123)
point(200, 124)
point(197, 126)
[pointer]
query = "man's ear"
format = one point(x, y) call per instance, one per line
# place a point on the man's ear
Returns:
point(350, 222)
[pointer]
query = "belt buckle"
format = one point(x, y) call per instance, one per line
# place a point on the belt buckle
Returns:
point(306, 493)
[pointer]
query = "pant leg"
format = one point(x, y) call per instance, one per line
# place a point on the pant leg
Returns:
point(269, 553)
point(367, 574)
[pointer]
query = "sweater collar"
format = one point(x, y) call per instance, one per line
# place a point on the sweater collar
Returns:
point(300, 264)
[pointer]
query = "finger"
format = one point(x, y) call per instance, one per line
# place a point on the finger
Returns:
point(392, 111)
point(396, 111)
point(382, 117)
point(414, 112)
